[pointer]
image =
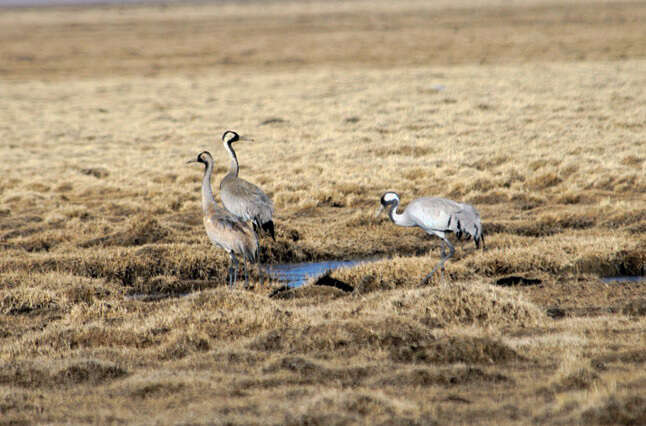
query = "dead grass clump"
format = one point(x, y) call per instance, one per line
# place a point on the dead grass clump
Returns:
point(484, 185)
point(284, 251)
point(527, 200)
point(638, 228)
point(156, 389)
point(543, 163)
point(495, 262)
point(404, 150)
point(299, 371)
point(91, 336)
point(97, 172)
point(298, 365)
point(579, 379)
point(495, 196)
point(81, 213)
point(460, 303)
point(570, 220)
point(164, 285)
point(18, 407)
point(139, 231)
point(624, 357)
point(309, 294)
point(81, 293)
point(535, 228)
point(452, 349)
point(636, 308)
point(345, 338)
point(227, 300)
point(632, 160)
point(23, 374)
point(38, 242)
point(225, 315)
point(385, 274)
point(127, 265)
point(183, 345)
point(624, 218)
point(349, 407)
point(450, 376)
point(24, 300)
point(38, 187)
point(617, 410)
point(238, 360)
point(575, 197)
point(623, 262)
point(544, 181)
point(91, 372)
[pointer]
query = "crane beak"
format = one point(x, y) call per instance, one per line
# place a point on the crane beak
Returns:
point(245, 138)
point(191, 161)
point(379, 210)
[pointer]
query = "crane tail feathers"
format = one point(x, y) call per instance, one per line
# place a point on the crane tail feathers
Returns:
point(268, 227)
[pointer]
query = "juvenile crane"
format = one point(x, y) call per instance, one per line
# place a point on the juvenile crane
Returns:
point(436, 216)
point(242, 198)
point(225, 230)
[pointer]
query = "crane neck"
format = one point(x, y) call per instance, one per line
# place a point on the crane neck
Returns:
point(207, 193)
point(398, 218)
point(233, 168)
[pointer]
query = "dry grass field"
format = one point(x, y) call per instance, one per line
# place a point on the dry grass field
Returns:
point(534, 112)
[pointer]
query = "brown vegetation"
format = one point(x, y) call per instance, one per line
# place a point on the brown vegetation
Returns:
point(112, 301)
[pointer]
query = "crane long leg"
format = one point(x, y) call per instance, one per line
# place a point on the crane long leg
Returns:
point(246, 275)
point(443, 259)
point(230, 274)
point(233, 271)
point(262, 280)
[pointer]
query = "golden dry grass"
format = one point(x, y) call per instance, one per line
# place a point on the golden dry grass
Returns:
point(533, 112)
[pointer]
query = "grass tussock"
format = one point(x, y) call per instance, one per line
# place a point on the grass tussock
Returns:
point(78, 372)
point(349, 338)
point(139, 231)
point(446, 376)
point(617, 409)
point(459, 304)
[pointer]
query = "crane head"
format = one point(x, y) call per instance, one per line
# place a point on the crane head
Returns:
point(203, 157)
point(230, 136)
point(388, 199)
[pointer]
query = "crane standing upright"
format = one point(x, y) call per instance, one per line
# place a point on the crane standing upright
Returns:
point(224, 229)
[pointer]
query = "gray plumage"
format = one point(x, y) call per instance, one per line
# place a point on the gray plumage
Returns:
point(436, 216)
point(225, 230)
point(242, 198)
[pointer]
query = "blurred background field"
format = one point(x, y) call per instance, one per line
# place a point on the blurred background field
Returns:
point(531, 111)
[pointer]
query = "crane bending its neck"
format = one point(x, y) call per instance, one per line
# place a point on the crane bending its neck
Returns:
point(400, 219)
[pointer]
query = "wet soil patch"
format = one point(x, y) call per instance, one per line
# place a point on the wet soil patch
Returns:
point(327, 280)
point(555, 312)
point(514, 280)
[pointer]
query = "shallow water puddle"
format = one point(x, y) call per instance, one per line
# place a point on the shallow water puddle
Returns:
point(624, 279)
point(296, 274)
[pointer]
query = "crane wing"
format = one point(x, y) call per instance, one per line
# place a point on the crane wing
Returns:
point(246, 200)
point(467, 220)
point(230, 233)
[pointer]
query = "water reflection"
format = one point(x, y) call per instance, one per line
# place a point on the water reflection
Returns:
point(296, 274)
point(624, 279)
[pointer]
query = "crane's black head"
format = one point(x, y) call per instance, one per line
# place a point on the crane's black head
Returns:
point(203, 157)
point(230, 136)
point(389, 198)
